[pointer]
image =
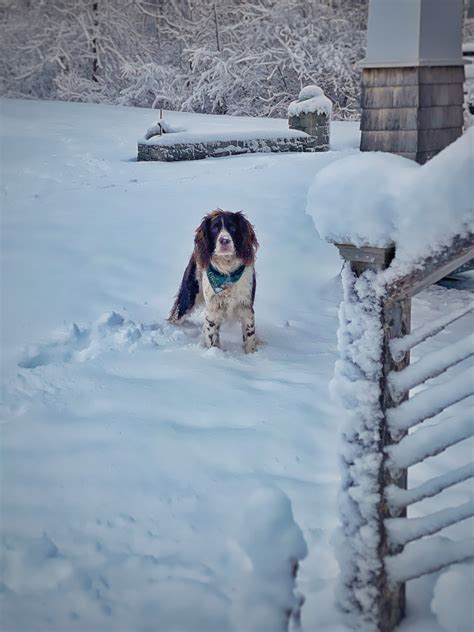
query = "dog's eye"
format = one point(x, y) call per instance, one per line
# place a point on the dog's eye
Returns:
point(232, 228)
point(215, 229)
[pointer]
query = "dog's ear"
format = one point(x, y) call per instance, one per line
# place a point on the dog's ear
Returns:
point(203, 244)
point(247, 243)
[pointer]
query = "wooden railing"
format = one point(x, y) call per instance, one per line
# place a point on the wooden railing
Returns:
point(377, 449)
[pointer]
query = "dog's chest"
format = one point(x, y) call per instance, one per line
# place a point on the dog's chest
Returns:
point(229, 300)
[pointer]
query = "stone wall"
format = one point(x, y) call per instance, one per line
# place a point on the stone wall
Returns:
point(215, 149)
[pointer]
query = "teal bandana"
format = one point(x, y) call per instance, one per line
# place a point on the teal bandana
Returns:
point(220, 282)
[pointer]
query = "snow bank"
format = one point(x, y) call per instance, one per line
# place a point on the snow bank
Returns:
point(311, 99)
point(273, 544)
point(453, 591)
point(377, 199)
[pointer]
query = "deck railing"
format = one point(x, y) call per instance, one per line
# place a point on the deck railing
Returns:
point(373, 378)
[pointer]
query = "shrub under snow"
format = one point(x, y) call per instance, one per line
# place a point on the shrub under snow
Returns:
point(237, 57)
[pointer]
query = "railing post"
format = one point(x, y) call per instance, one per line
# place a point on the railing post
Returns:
point(389, 600)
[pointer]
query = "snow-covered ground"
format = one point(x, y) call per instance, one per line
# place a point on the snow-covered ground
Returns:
point(136, 465)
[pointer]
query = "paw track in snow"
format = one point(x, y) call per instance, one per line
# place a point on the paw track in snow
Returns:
point(112, 331)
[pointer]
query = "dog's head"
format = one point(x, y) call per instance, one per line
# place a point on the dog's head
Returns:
point(222, 233)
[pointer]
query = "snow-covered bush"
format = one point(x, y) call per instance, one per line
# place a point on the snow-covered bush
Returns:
point(239, 57)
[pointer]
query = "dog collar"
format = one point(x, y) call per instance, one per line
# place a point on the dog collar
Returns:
point(220, 282)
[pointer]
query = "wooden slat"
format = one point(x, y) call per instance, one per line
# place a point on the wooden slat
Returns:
point(437, 139)
point(430, 95)
point(415, 447)
point(418, 558)
point(407, 141)
point(398, 498)
point(425, 95)
point(390, 119)
point(404, 530)
point(390, 77)
point(410, 75)
point(423, 156)
point(441, 74)
point(379, 257)
point(391, 141)
point(430, 402)
point(440, 117)
point(395, 321)
point(412, 118)
point(393, 97)
point(399, 346)
point(430, 365)
point(434, 268)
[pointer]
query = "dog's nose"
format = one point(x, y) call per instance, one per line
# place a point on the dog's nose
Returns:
point(224, 241)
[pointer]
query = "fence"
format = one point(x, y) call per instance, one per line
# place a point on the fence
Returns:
point(373, 377)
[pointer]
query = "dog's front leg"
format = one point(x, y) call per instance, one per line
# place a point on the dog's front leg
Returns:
point(247, 320)
point(211, 329)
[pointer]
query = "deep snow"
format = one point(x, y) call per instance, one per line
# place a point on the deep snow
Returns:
point(377, 199)
point(133, 460)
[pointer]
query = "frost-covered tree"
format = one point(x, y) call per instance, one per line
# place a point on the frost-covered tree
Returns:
point(227, 56)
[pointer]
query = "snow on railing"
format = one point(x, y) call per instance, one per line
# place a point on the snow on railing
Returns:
point(372, 379)
point(399, 346)
point(429, 403)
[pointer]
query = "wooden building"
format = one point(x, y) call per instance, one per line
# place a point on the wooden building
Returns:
point(412, 77)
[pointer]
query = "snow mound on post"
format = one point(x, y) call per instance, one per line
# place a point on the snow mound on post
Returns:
point(308, 92)
point(452, 592)
point(354, 199)
point(376, 199)
point(310, 99)
point(273, 545)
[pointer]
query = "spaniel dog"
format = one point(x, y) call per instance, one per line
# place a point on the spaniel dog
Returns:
point(221, 274)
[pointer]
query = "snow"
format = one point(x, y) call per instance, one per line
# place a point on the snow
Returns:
point(162, 127)
point(143, 476)
point(311, 99)
point(403, 530)
point(273, 546)
point(430, 402)
point(356, 386)
point(399, 497)
point(378, 199)
point(429, 555)
point(201, 129)
point(452, 592)
point(430, 441)
point(430, 366)
point(126, 444)
point(399, 346)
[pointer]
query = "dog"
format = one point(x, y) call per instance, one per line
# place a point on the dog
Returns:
point(221, 274)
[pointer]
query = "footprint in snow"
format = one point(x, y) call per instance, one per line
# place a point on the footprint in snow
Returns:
point(110, 332)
